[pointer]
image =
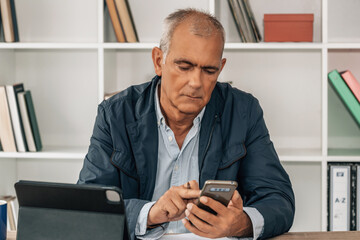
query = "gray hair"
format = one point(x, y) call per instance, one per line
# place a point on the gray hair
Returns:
point(201, 24)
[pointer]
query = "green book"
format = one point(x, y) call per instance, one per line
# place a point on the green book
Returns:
point(33, 121)
point(345, 95)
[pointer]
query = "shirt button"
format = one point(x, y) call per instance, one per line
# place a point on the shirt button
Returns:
point(170, 138)
point(176, 168)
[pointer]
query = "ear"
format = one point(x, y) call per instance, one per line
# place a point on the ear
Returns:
point(157, 57)
point(223, 61)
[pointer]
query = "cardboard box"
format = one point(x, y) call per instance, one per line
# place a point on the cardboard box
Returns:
point(288, 27)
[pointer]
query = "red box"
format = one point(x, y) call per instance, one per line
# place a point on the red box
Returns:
point(288, 27)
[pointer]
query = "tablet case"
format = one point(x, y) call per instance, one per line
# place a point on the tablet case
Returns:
point(55, 211)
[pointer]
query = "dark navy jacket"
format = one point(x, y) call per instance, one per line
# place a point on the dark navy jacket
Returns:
point(234, 145)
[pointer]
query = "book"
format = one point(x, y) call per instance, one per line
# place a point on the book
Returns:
point(6, 132)
point(26, 122)
point(5, 7)
point(235, 11)
point(11, 92)
point(14, 21)
point(352, 83)
point(33, 122)
point(247, 24)
point(254, 26)
point(126, 20)
point(339, 198)
point(345, 95)
point(1, 30)
point(114, 16)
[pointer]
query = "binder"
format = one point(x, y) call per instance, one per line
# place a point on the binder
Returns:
point(339, 201)
point(358, 198)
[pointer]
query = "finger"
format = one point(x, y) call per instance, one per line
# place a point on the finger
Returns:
point(194, 230)
point(236, 201)
point(198, 223)
point(194, 185)
point(170, 208)
point(178, 202)
point(214, 205)
point(188, 193)
point(202, 214)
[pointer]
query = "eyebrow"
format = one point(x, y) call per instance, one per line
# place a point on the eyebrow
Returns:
point(184, 61)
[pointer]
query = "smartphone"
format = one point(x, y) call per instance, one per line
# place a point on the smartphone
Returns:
point(218, 190)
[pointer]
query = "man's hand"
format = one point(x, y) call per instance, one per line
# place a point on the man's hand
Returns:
point(230, 221)
point(171, 206)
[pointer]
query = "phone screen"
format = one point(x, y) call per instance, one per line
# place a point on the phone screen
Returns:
point(218, 190)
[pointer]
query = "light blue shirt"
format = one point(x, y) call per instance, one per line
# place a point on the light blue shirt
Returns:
point(176, 167)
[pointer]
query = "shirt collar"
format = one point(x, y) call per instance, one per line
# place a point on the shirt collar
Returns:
point(159, 116)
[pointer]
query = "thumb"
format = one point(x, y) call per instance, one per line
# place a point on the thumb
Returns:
point(236, 201)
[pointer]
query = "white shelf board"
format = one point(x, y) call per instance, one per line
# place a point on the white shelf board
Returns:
point(273, 45)
point(20, 45)
point(231, 46)
point(343, 159)
point(49, 153)
point(300, 155)
point(148, 46)
point(142, 46)
point(343, 45)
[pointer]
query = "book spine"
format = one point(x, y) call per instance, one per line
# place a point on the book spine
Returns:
point(352, 83)
point(14, 20)
point(26, 122)
point(7, 20)
point(6, 131)
point(236, 19)
point(15, 118)
point(126, 21)
point(345, 95)
point(248, 27)
point(18, 88)
point(33, 121)
point(115, 20)
point(253, 21)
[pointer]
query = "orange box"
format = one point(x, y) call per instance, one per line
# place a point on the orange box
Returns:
point(288, 27)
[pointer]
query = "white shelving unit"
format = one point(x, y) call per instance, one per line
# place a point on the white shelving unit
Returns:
point(68, 58)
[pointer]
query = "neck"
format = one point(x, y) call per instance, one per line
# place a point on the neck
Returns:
point(179, 122)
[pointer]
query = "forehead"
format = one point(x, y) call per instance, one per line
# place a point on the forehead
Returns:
point(186, 44)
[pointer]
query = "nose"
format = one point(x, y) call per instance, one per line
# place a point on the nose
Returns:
point(195, 79)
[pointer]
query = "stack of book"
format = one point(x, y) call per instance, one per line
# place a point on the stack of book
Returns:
point(245, 20)
point(11, 212)
point(348, 89)
point(19, 130)
point(122, 21)
point(8, 22)
point(343, 196)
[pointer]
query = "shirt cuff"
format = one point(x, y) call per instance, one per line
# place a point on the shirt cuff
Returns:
point(141, 230)
point(257, 221)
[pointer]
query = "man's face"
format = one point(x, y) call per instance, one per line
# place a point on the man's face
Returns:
point(190, 72)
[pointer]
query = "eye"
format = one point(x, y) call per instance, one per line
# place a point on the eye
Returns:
point(210, 71)
point(184, 68)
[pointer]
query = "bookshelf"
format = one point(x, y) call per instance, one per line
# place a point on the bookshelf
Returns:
point(68, 58)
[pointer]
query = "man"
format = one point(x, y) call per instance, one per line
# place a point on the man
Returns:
point(160, 141)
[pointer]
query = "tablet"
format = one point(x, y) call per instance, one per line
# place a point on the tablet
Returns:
point(55, 211)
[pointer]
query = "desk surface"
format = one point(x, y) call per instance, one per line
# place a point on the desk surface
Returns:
point(288, 236)
point(319, 235)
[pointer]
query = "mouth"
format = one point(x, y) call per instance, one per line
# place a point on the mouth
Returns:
point(193, 97)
